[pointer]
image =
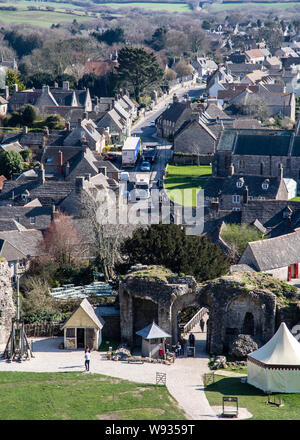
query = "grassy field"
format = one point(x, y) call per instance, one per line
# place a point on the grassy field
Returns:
point(81, 396)
point(186, 180)
point(253, 399)
point(41, 18)
point(295, 199)
point(237, 6)
point(170, 7)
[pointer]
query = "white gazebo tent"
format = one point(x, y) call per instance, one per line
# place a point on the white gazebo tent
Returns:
point(152, 338)
point(275, 367)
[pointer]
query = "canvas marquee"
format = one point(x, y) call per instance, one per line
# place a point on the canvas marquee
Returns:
point(275, 367)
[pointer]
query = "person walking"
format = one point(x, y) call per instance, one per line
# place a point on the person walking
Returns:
point(202, 325)
point(192, 340)
point(87, 358)
point(178, 349)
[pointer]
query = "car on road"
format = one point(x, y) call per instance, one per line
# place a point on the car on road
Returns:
point(124, 176)
point(145, 166)
point(110, 156)
point(152, 124)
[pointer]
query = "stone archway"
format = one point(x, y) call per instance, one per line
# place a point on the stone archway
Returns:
point(233, 308)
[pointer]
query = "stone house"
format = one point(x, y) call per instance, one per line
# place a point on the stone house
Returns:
point(265, 103)
point(116, 124)
point(173, 118)
point(48, 99)
point(194, 138)
point(86, 131)
point(217, 81)
point(83, 328)
point(258, 152)
point(204, 66)
point(278, 256)
point(230, 91)
point(232, 192)
point(255, 56)
point(18, 247)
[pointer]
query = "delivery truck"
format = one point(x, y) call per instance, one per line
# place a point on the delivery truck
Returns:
point(131, 150)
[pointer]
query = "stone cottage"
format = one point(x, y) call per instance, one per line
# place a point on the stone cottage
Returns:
point(278, 256)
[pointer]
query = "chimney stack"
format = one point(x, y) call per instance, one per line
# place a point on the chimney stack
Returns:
point(79, 184)
point(66, 85)
point(46, 90)
point(25, 129)
point(85, 115)
point(281, 171)
point(60, 162)
point(245, 195)
point(231, 170)
point(67, 169)
point(16, 88)
point(68, 126)
point(41, 174)
point(175, 98)
point(6, 93)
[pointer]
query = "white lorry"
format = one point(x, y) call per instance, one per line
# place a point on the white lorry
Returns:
point(131, 150)
point(141, 189)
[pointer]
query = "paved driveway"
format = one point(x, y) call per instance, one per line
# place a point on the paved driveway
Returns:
point(184, 377)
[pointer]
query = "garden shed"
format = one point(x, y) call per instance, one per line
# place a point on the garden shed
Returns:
point(83, 328)
point(275, 367)
point(153, 337)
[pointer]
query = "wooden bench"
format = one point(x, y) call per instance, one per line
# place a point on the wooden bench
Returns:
point(229, 411)
point(134, 361)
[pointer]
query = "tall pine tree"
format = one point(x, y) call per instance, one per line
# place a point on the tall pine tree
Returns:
point(138, 69)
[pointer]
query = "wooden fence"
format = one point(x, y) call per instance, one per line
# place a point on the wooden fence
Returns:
point(46, 329)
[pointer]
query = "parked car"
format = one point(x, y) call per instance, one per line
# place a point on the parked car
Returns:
point(145, 166)
point(152, 124)
point(124, 176)
point(110, 156)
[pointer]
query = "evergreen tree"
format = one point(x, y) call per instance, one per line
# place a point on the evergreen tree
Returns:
point(12, 78)
point(11, 162)
point(158, 40)
point(29, 115)
point(169, 245)
point(138, 69)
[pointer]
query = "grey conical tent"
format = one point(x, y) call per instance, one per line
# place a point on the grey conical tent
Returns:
point(153, 336)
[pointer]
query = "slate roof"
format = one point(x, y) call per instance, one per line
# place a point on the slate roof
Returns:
point(262, 145)
point(242, 67)
point(174, 111)
point(89, 310)
point(27, 242)
point(22, 215)
point(228, 186)
point(153, 331)
point(61, 96)
point(274, 252)
point(50, 193)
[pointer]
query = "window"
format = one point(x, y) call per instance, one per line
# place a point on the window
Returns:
point(265, 186)
point(32, 220)
point(17, 218)
point(236, 209)
point(235, 199)
point(261, 169)
point(239, 184)
point(70, 333)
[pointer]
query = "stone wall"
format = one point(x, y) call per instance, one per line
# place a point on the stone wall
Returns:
point(7, 308)
point(237, 304)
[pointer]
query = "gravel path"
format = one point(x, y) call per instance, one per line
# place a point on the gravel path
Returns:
point(184, 377)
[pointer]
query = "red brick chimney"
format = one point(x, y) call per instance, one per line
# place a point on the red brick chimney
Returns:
point(60, 162)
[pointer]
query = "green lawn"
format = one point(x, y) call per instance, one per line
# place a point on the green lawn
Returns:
point(183, 182)
point(41, 18)
point(295, 199)
point(253, 399)
point(239, 5)
point(170, 7)
point(81, 396)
